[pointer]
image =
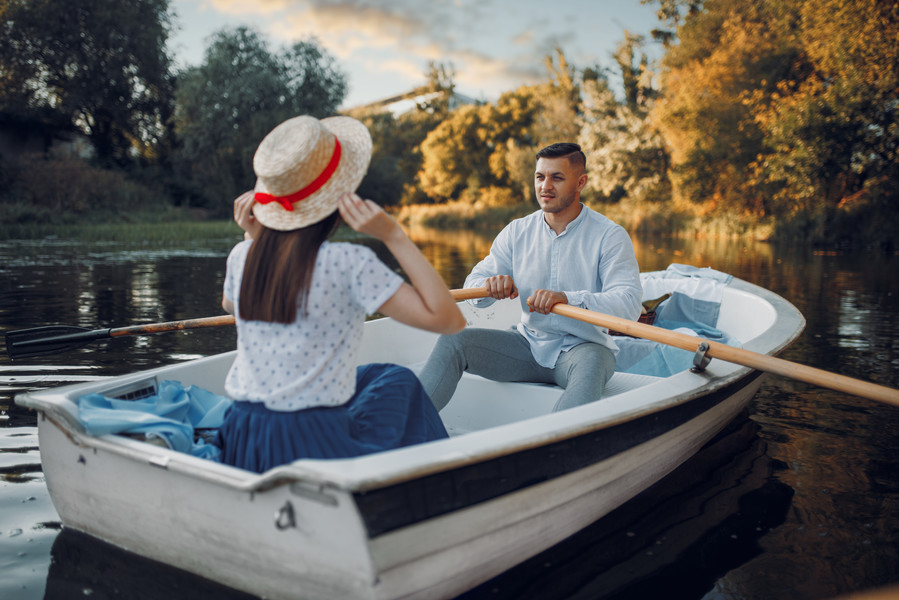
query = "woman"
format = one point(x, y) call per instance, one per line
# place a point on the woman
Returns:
point(300, 303)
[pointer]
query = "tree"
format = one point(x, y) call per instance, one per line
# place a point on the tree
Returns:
point(479, 148)
point(831, 124)
point(384, 181)
point(453, 154)
point(626, 156)
point(486, 153)
point(396, 138)
point(99, 64)
point(560, 99)
point(726, 52)
point(785, 108)
point(241, 91)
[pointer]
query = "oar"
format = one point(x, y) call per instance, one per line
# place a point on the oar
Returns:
point(740, 356)
point(747, 358)
point(56, 339)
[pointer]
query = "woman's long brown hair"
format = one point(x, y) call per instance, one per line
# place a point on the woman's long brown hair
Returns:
point(278, 271)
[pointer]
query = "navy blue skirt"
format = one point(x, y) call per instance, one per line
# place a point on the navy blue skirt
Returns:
point(390, 409)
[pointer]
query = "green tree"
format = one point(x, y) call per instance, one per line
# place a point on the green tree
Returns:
point(241, 91)
point(384, 180)
point(100, 65)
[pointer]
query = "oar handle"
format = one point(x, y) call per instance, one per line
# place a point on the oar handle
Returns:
point(220, 321)
point(469, 293)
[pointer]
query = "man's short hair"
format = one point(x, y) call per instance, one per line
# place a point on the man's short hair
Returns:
point(575, 156)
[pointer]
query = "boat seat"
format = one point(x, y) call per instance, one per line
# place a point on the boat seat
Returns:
point(480, 403)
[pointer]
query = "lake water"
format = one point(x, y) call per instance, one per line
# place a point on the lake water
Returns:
point(798, 498)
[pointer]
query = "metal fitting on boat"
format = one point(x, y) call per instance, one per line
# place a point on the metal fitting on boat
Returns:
point(285, 517)
point(701, 359)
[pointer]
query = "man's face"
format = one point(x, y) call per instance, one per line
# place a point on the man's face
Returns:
point(557, 183)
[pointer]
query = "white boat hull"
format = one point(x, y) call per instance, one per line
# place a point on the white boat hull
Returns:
point(426, 522)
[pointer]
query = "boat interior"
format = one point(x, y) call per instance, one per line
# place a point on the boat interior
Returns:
point(482, 404)
point(478, 403)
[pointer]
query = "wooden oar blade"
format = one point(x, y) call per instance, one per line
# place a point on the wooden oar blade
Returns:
point(51, 339)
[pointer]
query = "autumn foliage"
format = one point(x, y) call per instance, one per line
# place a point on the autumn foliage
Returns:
point(765, 117)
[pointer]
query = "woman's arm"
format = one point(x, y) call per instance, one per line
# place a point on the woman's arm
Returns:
point(227, 305)
point(427, 303)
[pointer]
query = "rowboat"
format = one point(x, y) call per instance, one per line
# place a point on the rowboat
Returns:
point(428, 521)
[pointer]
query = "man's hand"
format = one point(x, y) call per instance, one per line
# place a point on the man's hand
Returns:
point(501, 286)
point(243, 215)
point(542, 301)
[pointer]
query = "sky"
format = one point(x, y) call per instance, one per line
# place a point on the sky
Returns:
point(384, 46)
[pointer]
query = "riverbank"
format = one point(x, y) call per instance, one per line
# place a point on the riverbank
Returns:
point(864, 227)
point(71, 200)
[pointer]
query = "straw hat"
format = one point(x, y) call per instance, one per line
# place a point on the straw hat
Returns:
point(303, 165)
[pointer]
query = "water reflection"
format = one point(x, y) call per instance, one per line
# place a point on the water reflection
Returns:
point(453, 253)
point(84, 567)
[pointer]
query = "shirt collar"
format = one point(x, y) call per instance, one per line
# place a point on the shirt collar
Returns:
point(571, 226)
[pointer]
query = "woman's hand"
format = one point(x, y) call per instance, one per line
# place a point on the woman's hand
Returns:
point(367, 217)
point(243, 215)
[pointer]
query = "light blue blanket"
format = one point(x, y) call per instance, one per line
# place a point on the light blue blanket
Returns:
point(171, 416)
point(692, 309)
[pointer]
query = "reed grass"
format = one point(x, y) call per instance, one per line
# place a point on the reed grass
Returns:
point(150, 231)
point(636, 217)
point(147, 231)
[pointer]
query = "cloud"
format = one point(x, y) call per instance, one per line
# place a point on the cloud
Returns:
point(379, 22)
point(245, 7)
point(361, 32)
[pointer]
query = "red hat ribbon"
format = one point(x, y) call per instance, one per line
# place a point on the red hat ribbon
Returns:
point(288, 201)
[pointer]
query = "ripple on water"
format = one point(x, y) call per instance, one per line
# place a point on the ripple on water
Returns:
point(28, 522)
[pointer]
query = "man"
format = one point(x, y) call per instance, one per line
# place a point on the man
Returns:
point(562, 253)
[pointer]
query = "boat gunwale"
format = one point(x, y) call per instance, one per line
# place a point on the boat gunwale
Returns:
point(383, 469)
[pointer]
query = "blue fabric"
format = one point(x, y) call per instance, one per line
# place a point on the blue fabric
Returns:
point(677, 270)
point(390, 409)
point(688, 311)
point(172, 416)
point(663, 360)
point(693, 309)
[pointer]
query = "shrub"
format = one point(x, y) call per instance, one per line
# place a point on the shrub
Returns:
point(62, 191)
